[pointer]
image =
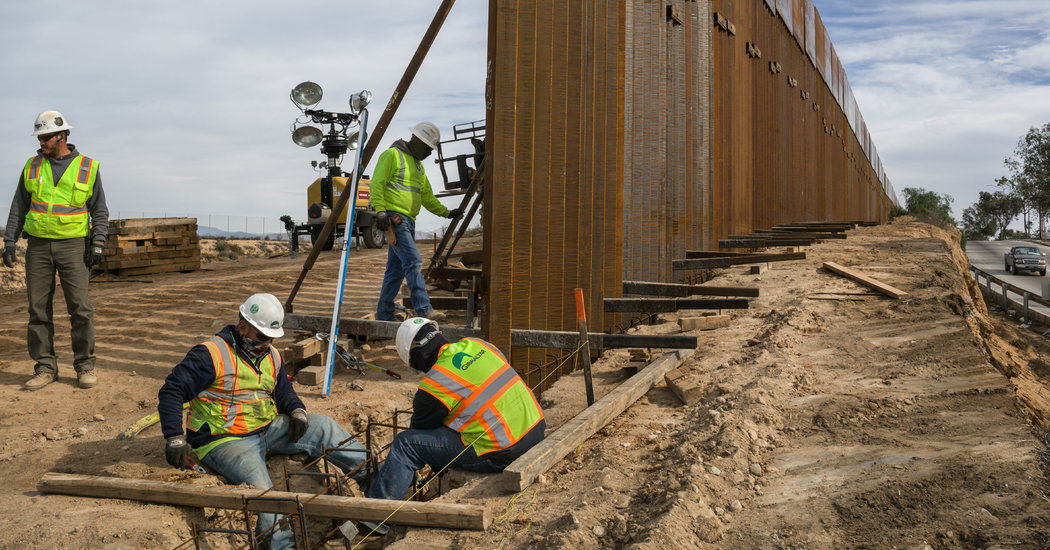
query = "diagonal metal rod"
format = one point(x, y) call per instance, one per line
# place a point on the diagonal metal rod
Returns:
point(373, 141)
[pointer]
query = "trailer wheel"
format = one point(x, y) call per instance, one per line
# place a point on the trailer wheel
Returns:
point(374, 238)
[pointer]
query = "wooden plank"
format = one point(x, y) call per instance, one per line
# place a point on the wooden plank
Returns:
point(571, 340)
point(460, 273)
point(866, 281)
point(441, 302)
point(761, 242)
point(826, 236)
point(423, 514)
point(664, 305)
point(678, 290)
point(709, 322)
point(302, 349)
point(523, 471)
point(178, 257)
point(715, 263)
point(519, 337)
point(154, 269)
point(688, 388)
point(713, 254)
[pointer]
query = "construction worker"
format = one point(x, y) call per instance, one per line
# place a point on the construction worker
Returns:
point(472, 411)
point(60, 205)
point(399, 186)
point(243, 409)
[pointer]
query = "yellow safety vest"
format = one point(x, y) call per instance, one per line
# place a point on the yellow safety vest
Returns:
point(240, 399)
point(489, 404)
point(399, 184)
point(59, 211)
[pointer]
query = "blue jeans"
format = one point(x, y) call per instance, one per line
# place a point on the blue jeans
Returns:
point(403, 262)
point(412, 449)
point(244, 460)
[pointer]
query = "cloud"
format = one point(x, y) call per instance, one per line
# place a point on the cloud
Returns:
point(947, 88)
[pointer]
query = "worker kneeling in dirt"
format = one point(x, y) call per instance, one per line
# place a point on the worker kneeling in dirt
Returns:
point(471, 411)
point(243, 408)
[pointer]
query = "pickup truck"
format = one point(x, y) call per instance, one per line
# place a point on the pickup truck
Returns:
point(1025, 258)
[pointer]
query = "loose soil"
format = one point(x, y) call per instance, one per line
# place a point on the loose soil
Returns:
point(830, 416)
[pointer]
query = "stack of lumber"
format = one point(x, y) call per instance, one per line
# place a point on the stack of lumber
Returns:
point(145, 246)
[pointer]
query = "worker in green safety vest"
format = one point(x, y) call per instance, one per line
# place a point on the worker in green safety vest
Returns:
point(60, 206)
point(471, 411)
point(399, 187)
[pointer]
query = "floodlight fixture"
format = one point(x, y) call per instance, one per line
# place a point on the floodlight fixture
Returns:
point(360, 100)
point(306, 94)
point(307, 136)
point(352, 141)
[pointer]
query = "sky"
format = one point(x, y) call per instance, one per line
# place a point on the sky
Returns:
point(186, 103)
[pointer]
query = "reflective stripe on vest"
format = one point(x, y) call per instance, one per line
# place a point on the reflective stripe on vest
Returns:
point(474, 381)
point(34, 166)
point(240, 410)
point(400, 184)
point(58, 210)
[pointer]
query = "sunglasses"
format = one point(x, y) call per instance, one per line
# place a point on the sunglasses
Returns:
point(258, 336)
point(48, 137)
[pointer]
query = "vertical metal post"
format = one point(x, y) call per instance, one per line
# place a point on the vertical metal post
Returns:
point(1006, 304)
point(585, 342)
point(1026, 296)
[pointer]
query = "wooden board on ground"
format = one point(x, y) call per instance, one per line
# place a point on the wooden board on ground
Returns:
point(424, 514)
point(866, 281)
point(686, 386)
point(523, 471)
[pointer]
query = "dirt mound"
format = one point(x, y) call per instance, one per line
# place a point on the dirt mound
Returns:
point(830, 416)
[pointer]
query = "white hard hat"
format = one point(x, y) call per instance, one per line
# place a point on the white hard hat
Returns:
point(265, 313)
point(49, 122)
point(427, 132)
point(406, 333)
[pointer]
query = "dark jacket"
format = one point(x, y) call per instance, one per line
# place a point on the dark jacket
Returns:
point(194, 374)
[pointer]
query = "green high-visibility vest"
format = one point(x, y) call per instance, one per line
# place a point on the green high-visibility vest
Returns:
point(59, 211)
point(489, 404)
point(399, 184)
point(239, 400)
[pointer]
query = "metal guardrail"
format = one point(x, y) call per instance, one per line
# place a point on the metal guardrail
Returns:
point(1027, 298)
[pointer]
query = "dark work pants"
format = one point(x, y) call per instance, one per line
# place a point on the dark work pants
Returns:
point(65, 257)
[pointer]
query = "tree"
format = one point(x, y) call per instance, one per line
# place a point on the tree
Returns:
point(977, 225)
point(1000, 208)
point(1031, 171)
point(928, 205)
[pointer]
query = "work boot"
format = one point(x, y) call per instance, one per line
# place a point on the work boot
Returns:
point(39, 380)
point(87, 379)
point(436, 316)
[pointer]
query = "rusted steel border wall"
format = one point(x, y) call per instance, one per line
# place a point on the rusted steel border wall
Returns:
point(553, 198)
point(667, 135)
point(621, 133)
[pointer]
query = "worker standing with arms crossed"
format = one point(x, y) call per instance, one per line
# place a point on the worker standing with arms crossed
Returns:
point(60, 205)
point(399, 186)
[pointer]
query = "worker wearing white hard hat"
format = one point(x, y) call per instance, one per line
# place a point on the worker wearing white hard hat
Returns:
point(499, 422)
point(243, 408)
point(61, 208)
point(399, 188)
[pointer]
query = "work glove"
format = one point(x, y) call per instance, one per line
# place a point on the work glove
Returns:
point(382, 221)
point(299, 424)
point(455, 213)
point(175, 452)
point(9, 256)
point(93, 255)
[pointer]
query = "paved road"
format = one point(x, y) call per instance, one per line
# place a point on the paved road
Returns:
point(988, 255)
